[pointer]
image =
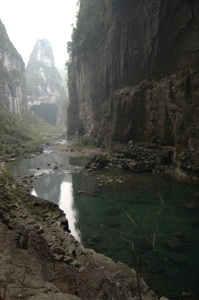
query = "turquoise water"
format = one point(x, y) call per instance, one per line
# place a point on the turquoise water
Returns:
point(148, 221)
point(144, 213)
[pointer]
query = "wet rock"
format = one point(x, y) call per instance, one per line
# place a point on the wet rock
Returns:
point(183, 237)
point(191, 206)
point(99, 161)
point(80, 192)
point(178, 258)
point(174, 243)
point(90, 162)
point(194, 222)
point(113, 222)
point(65, 225)
point(96, 238)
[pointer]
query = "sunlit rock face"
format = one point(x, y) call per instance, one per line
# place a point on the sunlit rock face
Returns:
point(12, 75)
point(45, 91)
point(134, 74)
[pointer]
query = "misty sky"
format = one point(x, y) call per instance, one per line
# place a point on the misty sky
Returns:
point(26, 21)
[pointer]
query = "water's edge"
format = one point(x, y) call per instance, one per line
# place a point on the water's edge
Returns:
point(109, 212)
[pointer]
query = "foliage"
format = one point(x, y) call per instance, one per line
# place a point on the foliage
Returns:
point(20, 135)
point(91, 21)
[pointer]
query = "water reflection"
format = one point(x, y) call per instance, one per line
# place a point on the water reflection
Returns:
point(165, 210)
point(51, 180)
point(66, 203)
point(58, 188)
point(33, 193)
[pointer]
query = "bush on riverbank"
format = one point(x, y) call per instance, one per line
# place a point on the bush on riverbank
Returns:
point(20, 135)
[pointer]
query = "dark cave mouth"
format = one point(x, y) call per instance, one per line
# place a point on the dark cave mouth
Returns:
point(47, 112)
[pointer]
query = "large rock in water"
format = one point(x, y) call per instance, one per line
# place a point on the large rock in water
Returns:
point(12, 75)
point(45, 90)
point(134, 74)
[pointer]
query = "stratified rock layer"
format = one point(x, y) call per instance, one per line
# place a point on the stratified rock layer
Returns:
point(136, 77)
point(12, 75)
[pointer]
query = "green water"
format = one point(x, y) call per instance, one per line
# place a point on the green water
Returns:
point(129, 217)
point(144, 213)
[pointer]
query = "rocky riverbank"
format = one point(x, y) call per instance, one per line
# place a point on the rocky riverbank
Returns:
point(40, 259)
point(136, 157)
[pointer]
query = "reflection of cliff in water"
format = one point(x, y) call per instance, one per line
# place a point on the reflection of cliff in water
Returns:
point(58, 188)
point(48, 187)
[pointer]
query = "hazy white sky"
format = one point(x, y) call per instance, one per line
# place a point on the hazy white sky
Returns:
point(26, 21)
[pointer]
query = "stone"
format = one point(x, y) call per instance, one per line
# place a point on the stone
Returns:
point(68, 259)
point(174, 243)
point(101, 161)
point(194, 222)
point(191, 205)
point(183, 237)
point(178, 258)
point(59, 257)
point(53, 296)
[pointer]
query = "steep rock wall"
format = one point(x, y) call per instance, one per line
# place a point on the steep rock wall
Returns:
point(136, 76)
point(12, 75)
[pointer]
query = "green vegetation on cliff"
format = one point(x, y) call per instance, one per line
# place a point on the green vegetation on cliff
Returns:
point(91, 21)
point(20, 135)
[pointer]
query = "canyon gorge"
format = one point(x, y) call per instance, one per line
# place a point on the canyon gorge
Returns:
point(121, 149)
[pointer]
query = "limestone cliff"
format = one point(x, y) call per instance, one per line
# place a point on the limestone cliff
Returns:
point(134, 74)
point(45, 91)
point(12, 75)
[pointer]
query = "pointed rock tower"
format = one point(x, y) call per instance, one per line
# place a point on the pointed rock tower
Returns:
point(45, 92)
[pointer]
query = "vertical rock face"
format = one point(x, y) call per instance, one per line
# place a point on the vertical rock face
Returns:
point(45, 91)
point(12, 75)
point(134, 74)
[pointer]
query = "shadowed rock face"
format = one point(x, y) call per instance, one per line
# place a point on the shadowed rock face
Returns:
point(139, 79)
point(12, 75)
point(46, 111)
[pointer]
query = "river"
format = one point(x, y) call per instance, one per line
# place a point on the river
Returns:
point(148, 221)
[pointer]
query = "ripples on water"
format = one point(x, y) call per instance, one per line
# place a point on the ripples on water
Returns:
point(155, 215)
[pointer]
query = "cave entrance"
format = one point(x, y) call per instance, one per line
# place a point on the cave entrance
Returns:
point(46, 111)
